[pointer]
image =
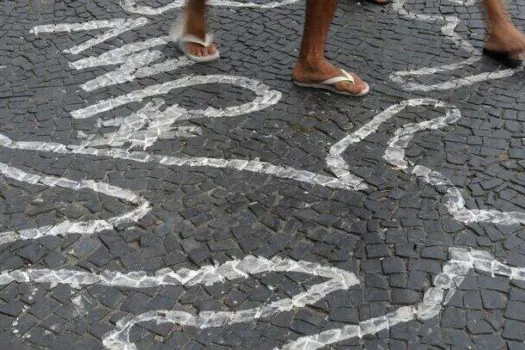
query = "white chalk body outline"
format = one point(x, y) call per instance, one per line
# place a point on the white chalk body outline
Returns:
point(448, 29)
point(453, 200)
point(74, 227)
point(394, 154)
point(132, 7)
point(134, 60)
point(337, 280)
point(463, 261)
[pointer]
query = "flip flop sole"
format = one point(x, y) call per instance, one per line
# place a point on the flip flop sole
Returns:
point(331, 88)
point(199, 59)
point(195, 58)
point(175, 35)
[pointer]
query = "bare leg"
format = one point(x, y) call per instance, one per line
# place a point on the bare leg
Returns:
point(503, 36)
point(312, 66)
point(196, 25)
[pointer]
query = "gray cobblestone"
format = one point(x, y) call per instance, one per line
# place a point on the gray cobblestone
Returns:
point(395, 236)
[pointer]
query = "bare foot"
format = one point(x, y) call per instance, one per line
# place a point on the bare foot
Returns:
point(506, 38)
point(305, 73)
point(199, 50)
point(196, 26)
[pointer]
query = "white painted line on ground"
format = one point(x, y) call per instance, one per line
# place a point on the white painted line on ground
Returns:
point(335, 160)
point(454, 271)
point(454, 201)
point(255, 166)
point(144, 127)
point(132, 7)
point(462, 262)
point(403, 78)
point(135, 65)
point(208, 275)
point(118, 26)
point(73, 227)
point(338, 279)
point(118, 55)
point(395, 151)
point(77, 27)
point(265, 97)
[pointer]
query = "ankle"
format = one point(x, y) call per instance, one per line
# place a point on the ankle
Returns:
point(499, 26)
point(312, 61)
point(313, 70)
point(198, 31)
point(195, 23)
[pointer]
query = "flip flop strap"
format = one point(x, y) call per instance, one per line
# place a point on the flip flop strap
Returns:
point(188, 38)
point(345, 77)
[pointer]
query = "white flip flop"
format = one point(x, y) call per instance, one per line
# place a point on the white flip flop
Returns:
point(329, 84)
point(176, 35)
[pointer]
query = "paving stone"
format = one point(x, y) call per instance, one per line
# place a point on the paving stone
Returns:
point(12, 309)
point(472, 300)
point(456, 338)
point(514, 345)
point(514, 310)
point(489, 341)
point(44, 307)
point(514, 330)
point(393, 265)
point(405, 296)
point(479, 326)
point(493, 299)
point(394, 236)
point(347, 315)
point(453, 318)
point(375, 281)
point(494, 283)
point(32, 253)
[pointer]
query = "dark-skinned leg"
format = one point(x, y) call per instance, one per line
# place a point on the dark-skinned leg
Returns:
point(312, 66)
point(196, 25)
point(503, 36)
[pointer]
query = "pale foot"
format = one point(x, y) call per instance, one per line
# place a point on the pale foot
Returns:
point(199, 50)
point(195, 25)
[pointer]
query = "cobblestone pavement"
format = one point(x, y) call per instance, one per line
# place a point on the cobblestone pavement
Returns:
point(150, 203)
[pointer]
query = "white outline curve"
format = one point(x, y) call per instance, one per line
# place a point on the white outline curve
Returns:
point(74, 227)
point(448, 29)
point(132, 7)
point(462, 262)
